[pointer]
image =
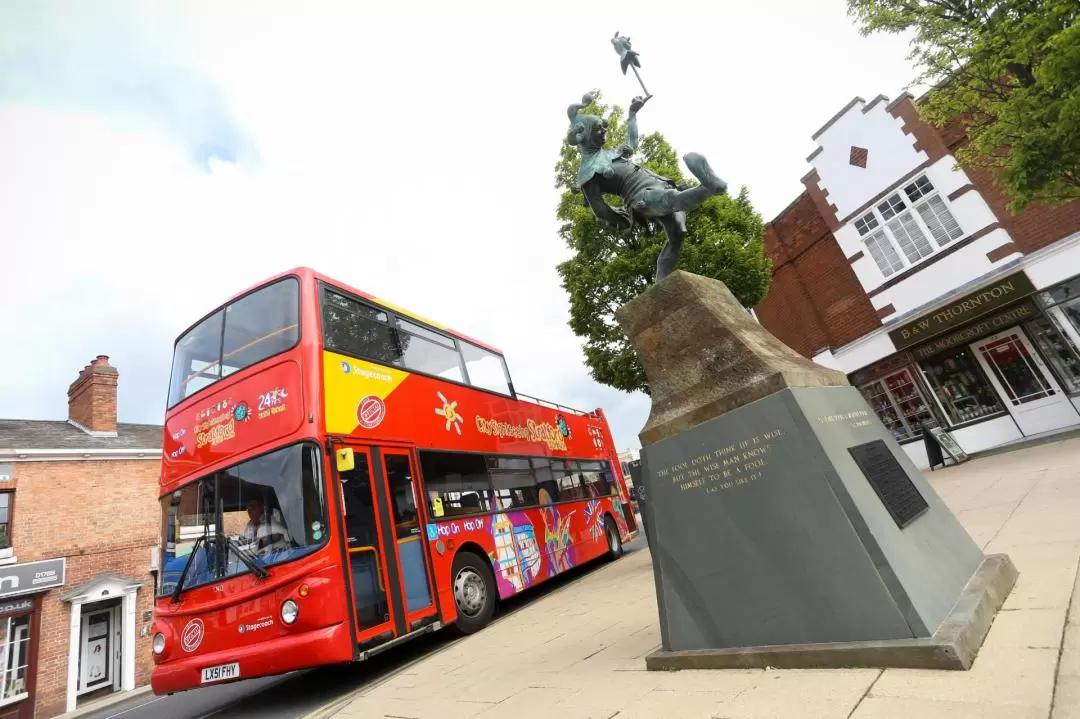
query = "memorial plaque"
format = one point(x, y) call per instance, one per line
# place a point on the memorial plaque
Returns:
point(890, 481)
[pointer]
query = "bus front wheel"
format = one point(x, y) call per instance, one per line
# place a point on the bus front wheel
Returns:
point(474, 592)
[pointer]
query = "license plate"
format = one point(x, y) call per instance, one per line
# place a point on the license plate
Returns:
point(220, 673)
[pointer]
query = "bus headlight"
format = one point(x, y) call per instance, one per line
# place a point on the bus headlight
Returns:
point(289, 611)
point(159, 643)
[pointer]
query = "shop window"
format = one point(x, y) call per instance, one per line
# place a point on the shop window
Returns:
point(1015, 370)
point(7, 505)
point(960, 387)
point(1053, 341)
point(15, 651)
point(899, 404)
point(907, 227)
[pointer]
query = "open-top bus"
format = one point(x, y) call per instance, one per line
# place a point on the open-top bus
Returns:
point(340, 475)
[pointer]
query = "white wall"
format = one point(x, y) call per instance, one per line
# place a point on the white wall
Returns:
point(862, 352)
point(891, 155)
point(1056, 263)
point(959, 268)
point(985, 435)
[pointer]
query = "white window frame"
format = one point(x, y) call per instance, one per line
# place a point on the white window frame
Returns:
point(894, 229)
point(6, 650)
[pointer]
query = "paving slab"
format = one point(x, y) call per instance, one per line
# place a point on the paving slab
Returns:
point(579, 652)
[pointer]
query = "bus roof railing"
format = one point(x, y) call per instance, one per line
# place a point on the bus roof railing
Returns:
point(554, 405)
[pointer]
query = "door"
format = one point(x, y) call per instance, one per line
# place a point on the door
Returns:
point(406, 515)
point(1024, 382)
point(118, 647)
point(95, 662)
point(389, 560)
point(367, 560)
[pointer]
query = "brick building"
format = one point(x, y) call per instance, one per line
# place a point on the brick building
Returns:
point(79, 524)
point(911, 276)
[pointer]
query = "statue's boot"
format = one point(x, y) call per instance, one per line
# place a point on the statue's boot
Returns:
point(699, 168)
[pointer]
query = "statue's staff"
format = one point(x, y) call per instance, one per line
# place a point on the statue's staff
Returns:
point(629, 58)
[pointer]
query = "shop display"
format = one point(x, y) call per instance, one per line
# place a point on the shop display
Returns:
point(1056, 348)
point(961, 388)
point(899, 404)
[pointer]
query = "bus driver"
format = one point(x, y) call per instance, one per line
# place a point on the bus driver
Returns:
point(264, 535)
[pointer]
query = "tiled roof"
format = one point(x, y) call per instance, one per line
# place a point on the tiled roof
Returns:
point(43, 434)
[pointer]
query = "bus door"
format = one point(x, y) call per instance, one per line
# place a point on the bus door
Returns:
point(406, 509)
point(388, 562)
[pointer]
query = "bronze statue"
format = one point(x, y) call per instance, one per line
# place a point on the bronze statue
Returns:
point(646, 196)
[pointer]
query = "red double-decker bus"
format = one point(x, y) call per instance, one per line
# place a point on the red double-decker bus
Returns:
point(340, 475)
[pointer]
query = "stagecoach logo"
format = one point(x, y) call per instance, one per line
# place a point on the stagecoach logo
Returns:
point(370, 412)
point(192, 636)
point(563, 426)
point(345, 367)
point(260, 624)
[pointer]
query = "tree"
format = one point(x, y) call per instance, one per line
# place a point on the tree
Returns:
point(1009, 70)
point(609, 268)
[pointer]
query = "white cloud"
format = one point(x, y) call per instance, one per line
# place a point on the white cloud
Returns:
point(156, 162)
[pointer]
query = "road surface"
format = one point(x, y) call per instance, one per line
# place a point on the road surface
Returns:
point(299, 693)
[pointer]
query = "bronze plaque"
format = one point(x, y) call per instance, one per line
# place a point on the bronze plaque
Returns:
point(890, 481)
point(963, 310)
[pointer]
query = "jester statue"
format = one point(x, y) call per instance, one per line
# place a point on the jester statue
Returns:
point(647, 197)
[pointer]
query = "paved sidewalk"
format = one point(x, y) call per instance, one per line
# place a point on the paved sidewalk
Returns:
point(579, 653)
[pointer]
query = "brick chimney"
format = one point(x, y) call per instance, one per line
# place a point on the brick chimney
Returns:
point(92, 398)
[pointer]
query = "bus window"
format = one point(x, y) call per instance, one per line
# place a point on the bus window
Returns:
point(596, 480)
point(546, 487)
point(569, 480)
point(487, 370)
point(430, 358)
point(357, 329)
point(256, 326)
point(459, 481)
point(514, 490)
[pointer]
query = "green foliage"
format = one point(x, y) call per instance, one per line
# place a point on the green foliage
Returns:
point(1011, 70)
point(610, 268)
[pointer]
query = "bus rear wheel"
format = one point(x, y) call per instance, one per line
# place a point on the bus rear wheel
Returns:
point(474, 592)
point(614, 541)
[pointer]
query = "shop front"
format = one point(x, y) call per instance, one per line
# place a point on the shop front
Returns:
point(21, 588)
point(993, 366)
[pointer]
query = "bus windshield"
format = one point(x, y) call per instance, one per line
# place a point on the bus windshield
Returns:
point(256, 514)
point(259, 325)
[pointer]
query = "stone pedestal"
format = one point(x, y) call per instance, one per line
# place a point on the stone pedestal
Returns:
point(788, 528)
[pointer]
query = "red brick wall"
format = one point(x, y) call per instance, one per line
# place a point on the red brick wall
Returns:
point(1034, 228)
point(103, 516)
point(92, 397)
point(815, 300)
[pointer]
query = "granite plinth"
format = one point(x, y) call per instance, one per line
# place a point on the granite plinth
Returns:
point(952, 647)
point(786, 523)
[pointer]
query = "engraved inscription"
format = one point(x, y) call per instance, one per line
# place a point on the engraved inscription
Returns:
point(889, 480)
point(855, 419)
point(733, 465)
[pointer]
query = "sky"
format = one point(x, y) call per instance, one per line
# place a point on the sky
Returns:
point(157, 158)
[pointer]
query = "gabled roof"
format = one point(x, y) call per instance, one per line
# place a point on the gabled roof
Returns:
point(49, 434)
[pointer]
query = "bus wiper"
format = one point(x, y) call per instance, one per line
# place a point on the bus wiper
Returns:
point(187, 565)
point(246, 558)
